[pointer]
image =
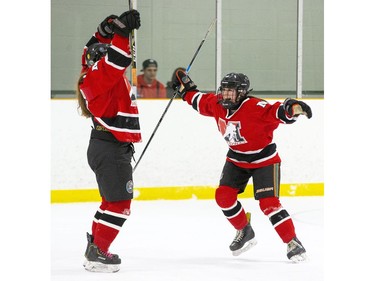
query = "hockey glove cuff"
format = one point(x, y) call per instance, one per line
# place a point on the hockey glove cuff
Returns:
point(126, 22)
point(182, 83)
point(105, 28)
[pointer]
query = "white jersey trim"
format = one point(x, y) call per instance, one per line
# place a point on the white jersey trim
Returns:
point(257, 161)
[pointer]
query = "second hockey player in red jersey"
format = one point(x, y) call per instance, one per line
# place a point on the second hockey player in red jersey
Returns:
point(247, 124)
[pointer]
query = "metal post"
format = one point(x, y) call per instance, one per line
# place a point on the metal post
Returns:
point(218, 43)
point(299, 46)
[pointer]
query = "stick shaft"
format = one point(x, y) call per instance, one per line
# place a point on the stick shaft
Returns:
point(174, 95)
point(153, 133)
point(200, 45)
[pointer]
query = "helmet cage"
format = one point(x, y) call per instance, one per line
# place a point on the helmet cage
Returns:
point(240, 83)
point(95, 52)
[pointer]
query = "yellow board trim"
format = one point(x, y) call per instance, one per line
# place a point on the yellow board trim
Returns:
point(182, 192)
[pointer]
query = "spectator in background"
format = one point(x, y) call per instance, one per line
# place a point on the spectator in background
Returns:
point(170, 90)
point(147, 85)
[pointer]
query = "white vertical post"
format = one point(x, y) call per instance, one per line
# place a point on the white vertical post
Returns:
point(135, 37)
point(299, 46)
point(133, 49)
point(218, 42)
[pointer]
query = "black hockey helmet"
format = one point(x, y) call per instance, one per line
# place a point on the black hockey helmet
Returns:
point(237, 81)
point(95, 52)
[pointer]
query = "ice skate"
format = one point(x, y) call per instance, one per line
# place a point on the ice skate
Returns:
point(99, 261)
point(90, 240)
point(244, 240)
point(295, 251)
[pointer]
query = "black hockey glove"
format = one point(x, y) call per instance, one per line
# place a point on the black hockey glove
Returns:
point(182, 83)
point(105, 28)
point(126, 22)
point(295, 108)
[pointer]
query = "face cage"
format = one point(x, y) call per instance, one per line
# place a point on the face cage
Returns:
point(99, 53)
point(227, 104)
point(93, 60)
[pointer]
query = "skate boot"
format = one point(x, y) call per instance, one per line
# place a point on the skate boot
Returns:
point(100, 261)
point(244, 240)
point(295, 251)
point(90, 240)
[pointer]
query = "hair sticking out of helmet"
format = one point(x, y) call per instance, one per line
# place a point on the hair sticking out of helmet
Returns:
point(235, 87)
point(95, 52)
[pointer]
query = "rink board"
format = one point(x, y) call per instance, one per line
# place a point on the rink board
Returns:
point(181, 192)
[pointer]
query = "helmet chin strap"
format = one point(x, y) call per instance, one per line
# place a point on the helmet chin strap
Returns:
point(227, 104)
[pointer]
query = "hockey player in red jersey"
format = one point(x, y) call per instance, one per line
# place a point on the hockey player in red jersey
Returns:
point(247, 124)
point(105, 95)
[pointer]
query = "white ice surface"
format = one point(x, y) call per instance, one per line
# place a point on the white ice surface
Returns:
point(188, 240)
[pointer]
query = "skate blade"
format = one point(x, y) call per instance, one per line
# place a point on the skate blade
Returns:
point(100, 267)
point(248, 245)
point(299, 258)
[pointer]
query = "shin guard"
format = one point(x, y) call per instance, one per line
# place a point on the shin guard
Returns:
point(279, 217)
point(98, 214)
point(226, 198)
point(110, 223)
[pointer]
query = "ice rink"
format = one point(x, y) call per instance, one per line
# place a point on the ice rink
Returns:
point(189, 240)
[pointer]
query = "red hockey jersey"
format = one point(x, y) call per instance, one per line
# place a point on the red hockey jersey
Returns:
point(248, 131)
point(108, 94)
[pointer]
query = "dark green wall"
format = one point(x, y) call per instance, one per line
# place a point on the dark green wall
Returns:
point(259, 39)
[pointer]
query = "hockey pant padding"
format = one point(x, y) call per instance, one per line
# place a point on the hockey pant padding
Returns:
point(279, 217)
point(110, 222)
point(226, 198)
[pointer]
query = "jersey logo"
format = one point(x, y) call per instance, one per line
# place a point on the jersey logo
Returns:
point(95, 66)
point(231, 132)
point(262, 103)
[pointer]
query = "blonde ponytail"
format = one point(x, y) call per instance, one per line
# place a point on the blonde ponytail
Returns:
point(81, 100)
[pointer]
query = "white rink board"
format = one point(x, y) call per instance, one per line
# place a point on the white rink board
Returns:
point(186, 150)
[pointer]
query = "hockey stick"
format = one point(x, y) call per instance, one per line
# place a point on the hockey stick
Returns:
point(195, 55)
point(134, 57)
point(200, 45)
point(174, 95)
